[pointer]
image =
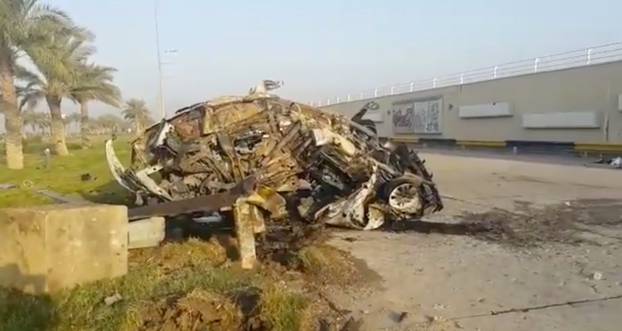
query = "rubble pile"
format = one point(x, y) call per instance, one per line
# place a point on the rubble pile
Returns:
point(265, 161)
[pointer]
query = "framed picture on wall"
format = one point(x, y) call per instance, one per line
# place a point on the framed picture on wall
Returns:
point(419, 116)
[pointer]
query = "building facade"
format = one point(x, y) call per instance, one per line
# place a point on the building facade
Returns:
point(579, 106)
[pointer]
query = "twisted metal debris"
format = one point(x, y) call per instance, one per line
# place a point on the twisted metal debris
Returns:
point(264, 160)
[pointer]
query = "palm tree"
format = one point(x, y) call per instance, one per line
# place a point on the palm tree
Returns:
point(136, 112)
point(59, 63)
point(93, 82)
point(37, 121)
point(70, 119)
point(23, 23)
point(109, 123)
point(28, 119)
point(31, 118)
point(44, 122)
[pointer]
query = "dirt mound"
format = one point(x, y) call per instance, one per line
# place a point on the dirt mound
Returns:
point(173, 256)
point(282, 244)
point(571, 222)
point(198, 310)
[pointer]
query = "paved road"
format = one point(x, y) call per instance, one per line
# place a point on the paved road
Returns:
point(459, 279)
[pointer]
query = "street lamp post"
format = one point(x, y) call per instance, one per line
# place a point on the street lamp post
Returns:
point(161, 89)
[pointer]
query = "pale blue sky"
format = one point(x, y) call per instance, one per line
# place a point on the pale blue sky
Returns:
point(324, 48)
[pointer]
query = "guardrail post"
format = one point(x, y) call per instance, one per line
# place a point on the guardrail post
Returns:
point(434, 83)
point(348, 97)
point(461, 78)
point(338, 99)
point(535, 64)
point(589, 56)
point(494, 72)
point(375, 92)
point(412, 86)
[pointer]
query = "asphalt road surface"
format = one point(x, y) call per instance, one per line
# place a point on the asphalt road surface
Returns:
point(551, 261)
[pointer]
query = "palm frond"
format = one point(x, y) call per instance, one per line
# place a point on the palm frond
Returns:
point(29, 97)
point(94, 82)
point(134, 109)
point(24, 74)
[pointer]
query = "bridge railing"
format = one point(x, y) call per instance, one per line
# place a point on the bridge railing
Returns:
point(576, 58)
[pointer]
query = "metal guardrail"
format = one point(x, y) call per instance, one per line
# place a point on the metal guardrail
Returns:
point(577, 58)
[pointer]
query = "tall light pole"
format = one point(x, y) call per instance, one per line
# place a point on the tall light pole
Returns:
point(161, 89)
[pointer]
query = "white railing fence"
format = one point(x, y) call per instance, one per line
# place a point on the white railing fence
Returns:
point(582, 57)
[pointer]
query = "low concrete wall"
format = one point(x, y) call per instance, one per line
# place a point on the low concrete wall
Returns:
point(582, 103)
point(47, 248)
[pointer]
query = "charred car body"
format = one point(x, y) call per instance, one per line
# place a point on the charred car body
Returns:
point(256, 157)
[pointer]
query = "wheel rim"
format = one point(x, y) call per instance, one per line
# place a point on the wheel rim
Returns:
point(405, 198)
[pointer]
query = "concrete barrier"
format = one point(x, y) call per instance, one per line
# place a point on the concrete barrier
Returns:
point(44, 249)
point(148, 232)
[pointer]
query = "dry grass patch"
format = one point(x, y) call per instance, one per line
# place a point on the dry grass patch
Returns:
point(329, 264)
point(173, 256)
point(282, 309)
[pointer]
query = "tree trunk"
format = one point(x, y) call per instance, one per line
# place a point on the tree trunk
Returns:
point(139, 127)
point(85, 129)
point(58, 127)
point(12, 118)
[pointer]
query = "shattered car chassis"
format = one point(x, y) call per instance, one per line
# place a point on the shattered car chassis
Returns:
point(264, 160)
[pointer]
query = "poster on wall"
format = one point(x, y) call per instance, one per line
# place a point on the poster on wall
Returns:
point(422, 117)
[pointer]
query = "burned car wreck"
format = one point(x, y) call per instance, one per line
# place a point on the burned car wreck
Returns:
point(264, 160)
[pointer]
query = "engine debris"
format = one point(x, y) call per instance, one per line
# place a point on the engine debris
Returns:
point(272, 161)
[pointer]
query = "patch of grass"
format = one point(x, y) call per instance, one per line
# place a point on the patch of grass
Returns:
point(19, 311)
point(63, 175)
point(282, 309)
point(83, 307)
point(193, 252)
point(152, 286)
point(328, 264)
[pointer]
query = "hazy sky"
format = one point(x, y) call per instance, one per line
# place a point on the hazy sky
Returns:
point(323, 48)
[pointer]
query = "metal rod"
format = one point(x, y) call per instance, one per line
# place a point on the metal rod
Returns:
point(204, 203)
